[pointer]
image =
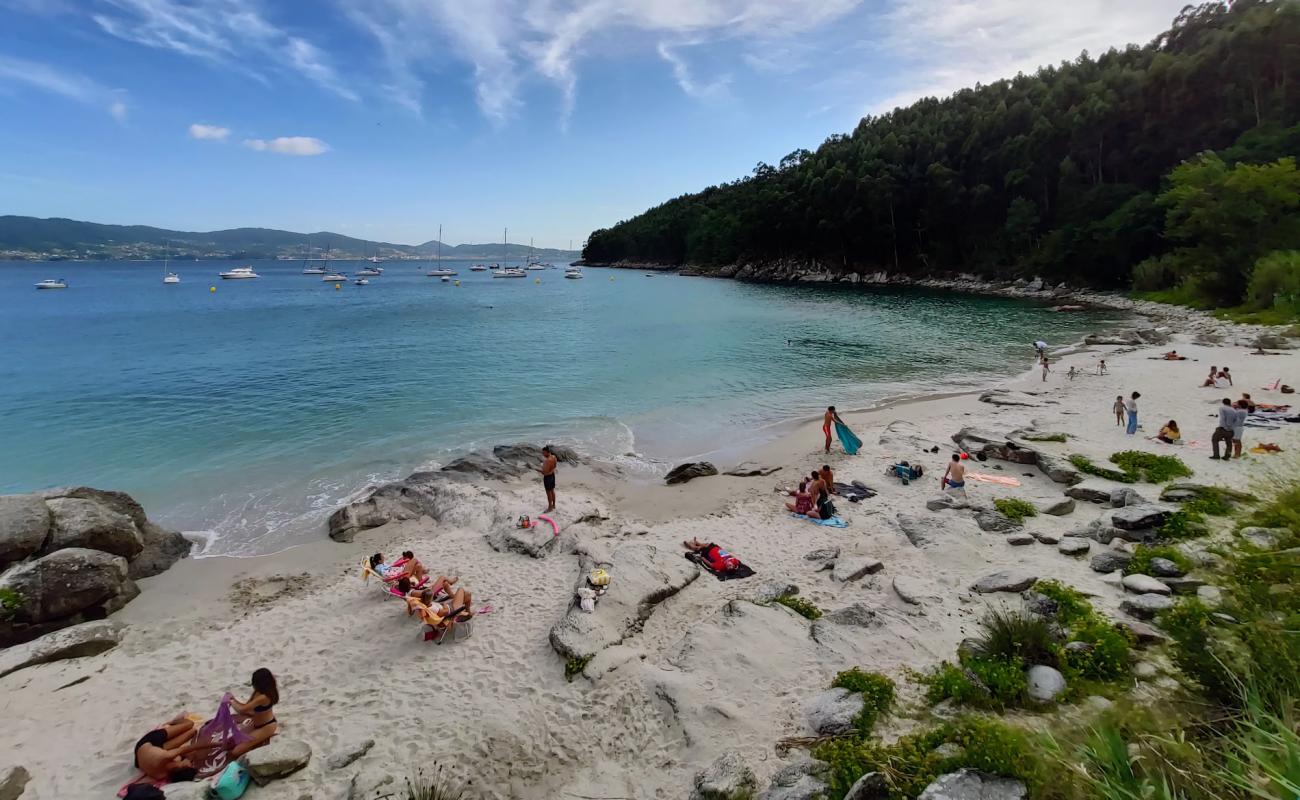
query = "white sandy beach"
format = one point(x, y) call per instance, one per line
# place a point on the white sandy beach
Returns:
point(699, 678)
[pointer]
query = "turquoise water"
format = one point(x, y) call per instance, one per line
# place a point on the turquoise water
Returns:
point(253, 411)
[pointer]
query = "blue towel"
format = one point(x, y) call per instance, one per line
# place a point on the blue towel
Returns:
point(851, 443)
point(833, 522)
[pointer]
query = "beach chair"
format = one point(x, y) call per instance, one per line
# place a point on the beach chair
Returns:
point(441, 628)
point(389, 589)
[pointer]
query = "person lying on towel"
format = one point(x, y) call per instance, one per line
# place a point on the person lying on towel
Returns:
point(719, 560)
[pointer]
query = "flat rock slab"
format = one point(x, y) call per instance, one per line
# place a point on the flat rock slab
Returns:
point(993, 522)
point(1144, 584)
point(280, 758)
point(1073, 546)
point(1164, 568)
point(1134, 518)
point(641, 577)
point(349, 752)
point(967, 784)
point(749, 469)
point(1020, 539)
point(771, 589)
point(912, 591)
point(1264, 538)
point(1005, 581)
point(857, 615)
point(1146, 606)
point(1123, 497)
point(689, 471)
point(12, 782)
point(834, 711)
point(1184, 585)
point(852, 568)
point(1110, 560)
point(79, 641)
point(1058, 508)
point(1141, 632)
point(1047, 537)
point(1090, 491)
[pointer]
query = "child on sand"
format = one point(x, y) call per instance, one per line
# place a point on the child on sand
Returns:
point(1118, 408)
point(1101, 366)
point(1046, 368)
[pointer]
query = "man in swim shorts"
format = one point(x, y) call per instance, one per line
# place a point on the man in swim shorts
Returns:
point(955, 476)
point(828, 420)
point(549, 463)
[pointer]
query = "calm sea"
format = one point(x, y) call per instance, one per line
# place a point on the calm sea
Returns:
point(253, 410)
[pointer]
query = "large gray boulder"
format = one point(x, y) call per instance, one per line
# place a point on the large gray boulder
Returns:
point(641, 577)
point(79, 641)
point(834, 711)
point(993, 522)
point(161, 549)
point(1263, 538)
point(117, 502)
point(1123, 497)
point(24, 526)
point(1110, 560)
point(968, 784)
point(437, 495)
point(1164, 568)
point(1013, 580)
point(689, 471)
point(727, 778)
point(64, 588)
point(1146, 606)
point(85, 523)
point(872, 786)
point(1059, 469)
point(801, 780)
point(1058, 508)
point(280, 758)
point(1045, 684)
point(12, 782)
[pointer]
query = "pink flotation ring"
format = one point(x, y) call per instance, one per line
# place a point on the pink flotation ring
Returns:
point(554, 527)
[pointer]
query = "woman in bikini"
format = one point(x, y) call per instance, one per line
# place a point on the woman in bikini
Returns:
point(802, 500)
point(161, 753)
point(259, 709)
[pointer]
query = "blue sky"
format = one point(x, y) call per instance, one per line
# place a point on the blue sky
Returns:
point(385, 118)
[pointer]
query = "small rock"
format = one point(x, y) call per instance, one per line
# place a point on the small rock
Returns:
point(1039, 604)
point(851, 568)
point(12, 782)
point(798, 781)
point(1146, 606)
point(1142, 632)
point(1058, 508)
point(871, 786)
point(1225, 618)
point(1078, 647)
point(1184, 585)
point(1047, 537)
point(1211, 596)
point(1144, 584)
point(949, 750)
point(1045, 683)
point(24, 526)
point(857, 615)
point(1145, 671)
point(689, 471)
point(727, 778)
point(834, 711)
point(1073, 546)
point(1164, 568)
point(1020, 539)
point(1110, 560)
point(366, 784)
point(1090, 492)
point(968, 784)
point(946, 501)
point(1123, 497)
point(1005, 581)
point(993, 522)
point(825, 555)
point(278, 759)
point(349, 752)
point(1263, 538)
point(773, 588)
point(911, 590)
point(1140, 517)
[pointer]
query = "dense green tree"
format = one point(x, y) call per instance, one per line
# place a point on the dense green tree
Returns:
point(1055, 173)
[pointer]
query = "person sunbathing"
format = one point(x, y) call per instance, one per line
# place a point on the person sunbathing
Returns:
point(161, 753)
point(441, 617)
point(803, 501)
point(408, 566)
point(259, 710)
point(440, 589)
point(719, 560)
point(1172, 355)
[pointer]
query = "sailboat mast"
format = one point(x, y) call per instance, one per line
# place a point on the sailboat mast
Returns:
point(439, 244)
point(505, 249)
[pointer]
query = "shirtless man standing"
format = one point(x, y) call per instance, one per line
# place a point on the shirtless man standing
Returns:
point(549, 463)
point(955, 476)
point(828, 420)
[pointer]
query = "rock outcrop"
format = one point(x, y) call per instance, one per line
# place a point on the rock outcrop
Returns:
point(1006, 581)
point(1007, 448)
point(24, 526)
point(64, 588)
point(79, 641)
point(834, 711)
point(280, 758)
point(967, 784)
point(689, 471)
point(727, 778)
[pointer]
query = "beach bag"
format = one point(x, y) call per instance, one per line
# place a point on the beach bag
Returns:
point(144, 791)
point(232, 782)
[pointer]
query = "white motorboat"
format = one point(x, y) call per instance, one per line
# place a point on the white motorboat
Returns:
point(535, 267)
point(445, 279)
point(370, 271)
point(334, 277)
point(573, 274)
point(169, 277)
point(510, 272)
point(361, 281)
point(238, 274)
point(311, 270)
point(440, 273)
point(50, 283)
point(479, 268)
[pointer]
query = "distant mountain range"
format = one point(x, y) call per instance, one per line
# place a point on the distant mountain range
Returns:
point(56, 238)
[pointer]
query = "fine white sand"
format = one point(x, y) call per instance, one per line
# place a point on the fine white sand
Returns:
point(699, 678)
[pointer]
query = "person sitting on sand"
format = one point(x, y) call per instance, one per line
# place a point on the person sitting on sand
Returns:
point(1226, 375)
point(259, 709)
point(1210, 379)
point(820, 491)
point(719, 560)
point(161, 753)
point(1172, 355)
point(1250, 404)
point(1170, 434)
point(828, 478)
point(955, 476)
point(803, 501)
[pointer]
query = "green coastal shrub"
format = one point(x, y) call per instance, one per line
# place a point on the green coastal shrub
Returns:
point(804, 608)
point(1015, 636)
point(1108, 658)
point(573, 667)
point(1150, 467)
point(1014, 509)
point(1071, 605)
point(1085, 465)
point(1212, 501)
point(983, 683)
point(1142, 556)
point(1183, 524)
point(877, 694)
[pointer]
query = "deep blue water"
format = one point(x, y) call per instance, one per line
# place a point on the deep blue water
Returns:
point(253, 410)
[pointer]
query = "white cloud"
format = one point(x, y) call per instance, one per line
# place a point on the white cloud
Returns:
point(288, 145)
point(73, 86)
point(508, 41)
point(214, 132)
point(233, 33)
point(941, 46)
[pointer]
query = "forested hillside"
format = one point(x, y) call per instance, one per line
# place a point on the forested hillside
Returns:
point(1069, 173)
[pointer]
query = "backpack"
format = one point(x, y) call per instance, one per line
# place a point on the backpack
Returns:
point(144, 791)
point(232, 782)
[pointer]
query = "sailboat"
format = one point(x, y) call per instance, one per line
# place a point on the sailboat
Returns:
point(309, 268)
point(534, 263)
point(507, 272)
point(440, 272)
point(168, 275)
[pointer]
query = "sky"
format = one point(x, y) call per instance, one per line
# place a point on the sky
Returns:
point(383, 119)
